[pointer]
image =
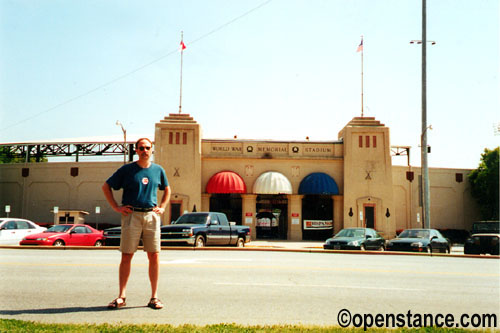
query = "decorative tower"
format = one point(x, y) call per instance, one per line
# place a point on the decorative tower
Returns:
point(368, 190)
point(178, 151)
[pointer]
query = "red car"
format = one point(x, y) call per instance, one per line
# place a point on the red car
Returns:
point(66, 234)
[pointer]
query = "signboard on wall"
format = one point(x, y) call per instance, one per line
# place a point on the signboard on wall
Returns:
point(318, 224)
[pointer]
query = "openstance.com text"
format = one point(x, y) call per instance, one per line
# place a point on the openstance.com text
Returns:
point(408, 319)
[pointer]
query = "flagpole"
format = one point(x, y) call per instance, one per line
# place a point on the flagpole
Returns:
point(362, 95)
point(182, 53)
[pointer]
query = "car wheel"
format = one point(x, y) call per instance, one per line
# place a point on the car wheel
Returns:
point(98, 243)
point(199, 241)
point(362, 247)
point(240, 242)
point(58, 243)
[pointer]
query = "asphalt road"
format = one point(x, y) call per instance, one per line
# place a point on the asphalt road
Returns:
point(244, 287)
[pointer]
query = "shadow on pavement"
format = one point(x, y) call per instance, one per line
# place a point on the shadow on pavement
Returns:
point(66, 310)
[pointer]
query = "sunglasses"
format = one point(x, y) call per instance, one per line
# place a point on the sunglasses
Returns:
point(144, 148)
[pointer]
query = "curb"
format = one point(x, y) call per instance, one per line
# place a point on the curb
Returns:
point(256, 248)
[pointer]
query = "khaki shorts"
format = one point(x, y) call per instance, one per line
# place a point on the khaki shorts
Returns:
point(139, 225)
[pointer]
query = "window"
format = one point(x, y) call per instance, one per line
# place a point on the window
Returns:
point(177, 138)
point(367, 141)
point(214, 219)
point(374, 141)
point(170, 138)
point(80, 230)
point(23, 225)
point(184, 138)
point(10, 225)
point(360, 141)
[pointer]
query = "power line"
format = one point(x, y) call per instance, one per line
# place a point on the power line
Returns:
point(123, 76)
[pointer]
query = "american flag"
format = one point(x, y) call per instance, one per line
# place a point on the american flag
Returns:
point(360, 47)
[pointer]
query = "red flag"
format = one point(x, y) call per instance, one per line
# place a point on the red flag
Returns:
point(183, 46)
point(360, 47)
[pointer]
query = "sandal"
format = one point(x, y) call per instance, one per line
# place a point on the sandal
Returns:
point(155, 303)
point(117, 303)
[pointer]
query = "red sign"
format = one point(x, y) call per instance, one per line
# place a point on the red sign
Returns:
point(295, 214)
point(248, 214)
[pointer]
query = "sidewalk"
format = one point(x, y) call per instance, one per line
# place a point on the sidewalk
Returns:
point(313, 245)
point(261, 245)
point(283, 244)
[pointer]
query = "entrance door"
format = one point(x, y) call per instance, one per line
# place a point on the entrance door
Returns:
point(369, 216)
point(272, 221)
point(317, 215)
point(175, 211)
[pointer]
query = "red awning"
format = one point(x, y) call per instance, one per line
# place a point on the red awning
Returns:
point(226, 182)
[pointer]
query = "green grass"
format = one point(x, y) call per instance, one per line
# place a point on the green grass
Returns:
point(10, 325)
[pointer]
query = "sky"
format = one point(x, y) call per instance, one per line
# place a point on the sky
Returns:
point(258, 69)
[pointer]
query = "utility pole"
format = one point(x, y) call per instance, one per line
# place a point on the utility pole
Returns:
point(425, 166)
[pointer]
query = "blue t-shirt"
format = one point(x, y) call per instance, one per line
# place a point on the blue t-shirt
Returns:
point(139, 184)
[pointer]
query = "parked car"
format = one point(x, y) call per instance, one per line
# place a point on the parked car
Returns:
point(112, 236)
point(205, 228)
point(356, 239)
point(485, 238)
point(419, 240)
point(12, 230)
point(66, 235)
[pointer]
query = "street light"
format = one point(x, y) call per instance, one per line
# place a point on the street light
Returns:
point(419, 41)
point(118, 123)
point(425, 167)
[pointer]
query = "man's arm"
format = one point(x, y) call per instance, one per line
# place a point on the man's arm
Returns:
point(160, 209)
point(108, 193)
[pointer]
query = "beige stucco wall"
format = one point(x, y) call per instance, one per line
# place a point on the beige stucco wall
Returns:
point(51, 184)
point(365, 177)
point(178, 151)
point(251, 169)
point(452, 206)
point(368, 174)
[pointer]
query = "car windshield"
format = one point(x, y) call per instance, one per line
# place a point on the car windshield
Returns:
point(192, 219)
point(59, 228)
point(414, 234)
point(351, 233)
point(486, 227)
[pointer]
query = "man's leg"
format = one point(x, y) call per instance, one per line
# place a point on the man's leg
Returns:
point(154, 272)
point(124, 273)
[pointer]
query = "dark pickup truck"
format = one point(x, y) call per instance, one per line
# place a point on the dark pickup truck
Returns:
point(204, 228)
point(485, 238)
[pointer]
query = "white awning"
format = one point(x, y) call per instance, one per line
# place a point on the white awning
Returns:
point(272, 182)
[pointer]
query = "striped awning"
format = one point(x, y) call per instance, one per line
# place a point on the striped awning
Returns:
point(272, 182)
point(226, 182)
point(318, 183)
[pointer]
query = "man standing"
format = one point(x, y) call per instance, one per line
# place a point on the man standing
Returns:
point(141, 213)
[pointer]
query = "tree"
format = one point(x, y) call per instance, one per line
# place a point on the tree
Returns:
point(7, 156)
point(484, 182)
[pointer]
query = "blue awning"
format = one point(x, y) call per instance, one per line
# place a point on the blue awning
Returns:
point(318, 183)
